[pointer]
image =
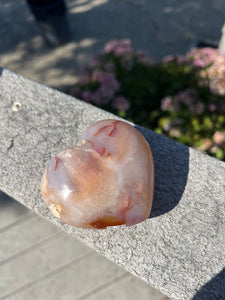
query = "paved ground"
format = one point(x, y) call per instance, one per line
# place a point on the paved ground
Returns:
point(158, 27)
point(38, 262)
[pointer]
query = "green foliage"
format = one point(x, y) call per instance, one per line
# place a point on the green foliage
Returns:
point(181, 97)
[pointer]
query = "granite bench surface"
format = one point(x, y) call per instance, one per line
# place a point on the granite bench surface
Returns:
point(179, 249)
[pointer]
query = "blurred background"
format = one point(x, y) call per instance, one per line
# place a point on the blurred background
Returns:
point(36, 260)
point(158, 28)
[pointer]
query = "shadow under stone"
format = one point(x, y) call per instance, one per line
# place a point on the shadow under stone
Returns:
point(8, 202)
point(171, 161)
point(214, 289)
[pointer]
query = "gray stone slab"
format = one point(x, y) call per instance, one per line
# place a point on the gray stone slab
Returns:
point(39, 264)
point(33, 233)
point(127, 287)
point(73, 282)
point(27, 234)
point(179, 249)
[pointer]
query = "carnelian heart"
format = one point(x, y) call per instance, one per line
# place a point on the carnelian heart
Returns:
point(107, 180)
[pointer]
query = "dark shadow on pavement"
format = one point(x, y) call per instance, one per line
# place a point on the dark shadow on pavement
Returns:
point(171, 161)
point(159, 29)
point(214, 289)
point(10, 211)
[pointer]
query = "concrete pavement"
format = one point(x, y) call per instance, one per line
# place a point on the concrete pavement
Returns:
point(157, 27)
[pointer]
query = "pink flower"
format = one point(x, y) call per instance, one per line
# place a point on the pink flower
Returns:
point(107, 79)
point(124, 48)
point(97, 75)
point(212, 107)
point(219, 138)
point(143, 59)
point(217, 86)
point(186, 97)
point(111, 46)
point(199, 63)
point(106, 93)
point(119, 48)
point(167, 103)
point(202, 57)
point(211, 61)
point(121, 103)
point(126, 43)
point(87, 96)
point(108, 85)
point(169, 58)
point(95, 62)
point(110, 81)
point(199, 108)
point(109, 66)
point(213, 149)
point(174, 58)
point(181, 60)
point(84, 80)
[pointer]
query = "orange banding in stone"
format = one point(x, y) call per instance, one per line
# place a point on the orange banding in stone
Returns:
point(113, 131)
point(107, 221)
point(101, 150)
point(126, 208)
point(112, 220)
point(56, 162)
point(90, 142)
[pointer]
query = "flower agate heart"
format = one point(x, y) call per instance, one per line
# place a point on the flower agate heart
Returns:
point(107, 180)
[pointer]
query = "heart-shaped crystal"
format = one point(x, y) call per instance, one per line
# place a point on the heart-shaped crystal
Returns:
point(107, 180)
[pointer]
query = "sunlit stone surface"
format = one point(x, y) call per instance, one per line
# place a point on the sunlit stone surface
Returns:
point(107, 180)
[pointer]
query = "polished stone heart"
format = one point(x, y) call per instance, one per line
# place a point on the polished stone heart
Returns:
point(107, 180)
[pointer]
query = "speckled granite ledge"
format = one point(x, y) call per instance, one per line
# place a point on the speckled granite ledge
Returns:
point(179, 249)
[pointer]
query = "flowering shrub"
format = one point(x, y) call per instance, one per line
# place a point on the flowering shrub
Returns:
point(182, 97)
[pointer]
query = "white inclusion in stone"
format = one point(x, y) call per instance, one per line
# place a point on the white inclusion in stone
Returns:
point(65, 191)
point(55, 210)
